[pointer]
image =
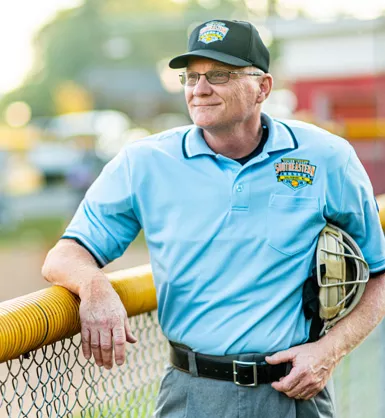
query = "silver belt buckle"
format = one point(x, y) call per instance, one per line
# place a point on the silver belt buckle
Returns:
point(245, 363)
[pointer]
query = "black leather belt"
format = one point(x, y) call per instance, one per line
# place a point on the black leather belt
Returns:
point(243, 369)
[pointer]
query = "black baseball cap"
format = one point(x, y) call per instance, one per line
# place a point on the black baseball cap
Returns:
point(232, 42)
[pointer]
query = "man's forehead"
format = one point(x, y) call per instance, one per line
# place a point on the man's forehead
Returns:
point(195, 62)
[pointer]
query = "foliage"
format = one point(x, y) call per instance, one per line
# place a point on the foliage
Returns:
point(73, 44)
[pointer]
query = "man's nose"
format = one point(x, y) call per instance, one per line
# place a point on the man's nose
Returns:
point(203, 87)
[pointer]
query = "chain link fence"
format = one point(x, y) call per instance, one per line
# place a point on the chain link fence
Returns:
point(56, 381)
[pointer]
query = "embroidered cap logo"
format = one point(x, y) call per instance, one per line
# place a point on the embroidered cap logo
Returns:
point(212, 32)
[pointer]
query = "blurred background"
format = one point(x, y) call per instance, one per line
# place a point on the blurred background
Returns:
point(80, 78)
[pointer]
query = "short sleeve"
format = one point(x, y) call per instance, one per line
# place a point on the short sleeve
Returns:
point(105, 222)
point(358, 213)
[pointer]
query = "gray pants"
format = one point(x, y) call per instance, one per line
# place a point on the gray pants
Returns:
point(184, 396)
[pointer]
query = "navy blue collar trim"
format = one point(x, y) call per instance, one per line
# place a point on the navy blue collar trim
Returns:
point(258, 149)
point(184, 144)
point(291, 134)
point(184, 149)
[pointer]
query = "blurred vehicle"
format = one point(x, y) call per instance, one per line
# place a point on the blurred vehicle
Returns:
point(54, 160)
point(101, 130)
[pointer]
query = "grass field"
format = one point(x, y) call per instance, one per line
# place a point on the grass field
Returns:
point(32, 232)
point(359, 379)
point(139, 403)
point(35, 232)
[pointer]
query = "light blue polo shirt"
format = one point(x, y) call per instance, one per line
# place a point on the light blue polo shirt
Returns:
point(231, 245)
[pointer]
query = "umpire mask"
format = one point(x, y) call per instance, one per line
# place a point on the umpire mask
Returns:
point(342, 274)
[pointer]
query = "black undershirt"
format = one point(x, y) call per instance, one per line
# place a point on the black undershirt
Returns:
point(258, 149)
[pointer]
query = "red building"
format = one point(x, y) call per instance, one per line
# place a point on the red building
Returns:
point(337, 72)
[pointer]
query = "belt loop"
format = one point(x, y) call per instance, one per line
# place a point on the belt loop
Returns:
point(192, 364)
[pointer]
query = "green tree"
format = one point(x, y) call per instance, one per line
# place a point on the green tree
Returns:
point(73, 43)
point(64, 49)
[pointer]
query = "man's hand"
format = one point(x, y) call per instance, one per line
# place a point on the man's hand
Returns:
point(312, 368)
point(104, 324)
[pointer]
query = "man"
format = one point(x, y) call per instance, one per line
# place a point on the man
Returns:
point(231, 208)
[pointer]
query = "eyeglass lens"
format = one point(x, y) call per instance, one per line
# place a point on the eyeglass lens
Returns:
point(213, 77)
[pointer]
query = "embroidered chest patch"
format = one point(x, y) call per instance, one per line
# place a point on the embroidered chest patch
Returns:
point(212, 32)
point(295, 173)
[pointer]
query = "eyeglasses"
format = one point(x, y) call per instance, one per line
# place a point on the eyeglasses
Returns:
point(191, 79)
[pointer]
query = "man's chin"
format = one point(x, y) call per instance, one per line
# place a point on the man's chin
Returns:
point(206, 126)
point(205, 118)
point(205, 123)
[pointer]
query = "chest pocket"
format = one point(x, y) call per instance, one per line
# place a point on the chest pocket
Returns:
point(294, 222)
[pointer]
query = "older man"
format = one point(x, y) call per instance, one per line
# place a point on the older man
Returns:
point(231, 207)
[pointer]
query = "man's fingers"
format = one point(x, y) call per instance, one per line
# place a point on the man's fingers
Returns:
point(106, 348)
point(304, 393)
point(86, 343)
point(95, 347)
point(288, 383)
point(119, 337)
point(280, 357)
point(298, 391)
point(106, 329)
point(129, 336)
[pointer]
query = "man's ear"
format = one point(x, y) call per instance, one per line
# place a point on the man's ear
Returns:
point(265, 88)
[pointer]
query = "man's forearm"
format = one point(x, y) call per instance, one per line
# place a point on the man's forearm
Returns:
point(70, 265)
point(353, 329)
point(104, 322)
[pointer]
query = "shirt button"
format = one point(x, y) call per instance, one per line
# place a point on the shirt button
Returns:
point(239, 188)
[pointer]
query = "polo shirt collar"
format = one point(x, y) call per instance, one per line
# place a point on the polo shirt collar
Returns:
point(281, 137)
point(194, 144)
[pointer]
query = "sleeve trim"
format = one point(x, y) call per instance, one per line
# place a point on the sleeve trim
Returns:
point(377, 267)
point(377, 274)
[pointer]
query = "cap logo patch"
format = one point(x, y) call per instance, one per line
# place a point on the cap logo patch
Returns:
point(212, 32)
point(295, 173)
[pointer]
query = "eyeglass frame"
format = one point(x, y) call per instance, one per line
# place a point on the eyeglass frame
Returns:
point(184, 73)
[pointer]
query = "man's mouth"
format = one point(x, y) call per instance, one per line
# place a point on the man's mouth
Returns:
point(205, 104)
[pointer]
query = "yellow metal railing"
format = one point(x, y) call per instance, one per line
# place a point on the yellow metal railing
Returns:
point(364, 128)
point(35, 320)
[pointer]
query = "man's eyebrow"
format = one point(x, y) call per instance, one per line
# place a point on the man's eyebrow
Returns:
point(216, 68)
